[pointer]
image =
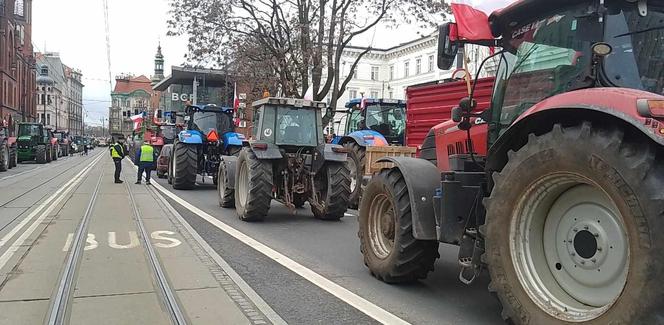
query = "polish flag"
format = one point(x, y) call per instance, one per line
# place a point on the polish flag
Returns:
point(309, 94)
point(137, 119)
point(472, 17)
point(236, 99)
point(155, 119)
point(363, 103)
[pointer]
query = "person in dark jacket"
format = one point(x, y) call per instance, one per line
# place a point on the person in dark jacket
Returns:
point(118, 152)
point(145, 157)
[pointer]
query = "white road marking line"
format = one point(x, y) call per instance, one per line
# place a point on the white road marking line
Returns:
point(21, 239)
point(361, 304)
point(47, 202)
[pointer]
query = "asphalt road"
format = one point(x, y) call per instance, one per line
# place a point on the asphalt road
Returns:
point(331, 249)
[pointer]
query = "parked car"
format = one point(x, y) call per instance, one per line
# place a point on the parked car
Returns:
point(163, 160)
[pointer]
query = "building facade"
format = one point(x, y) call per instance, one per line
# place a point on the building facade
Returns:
point(17, 63)
point(74, 100)
point(59, 94)
point(133, 95)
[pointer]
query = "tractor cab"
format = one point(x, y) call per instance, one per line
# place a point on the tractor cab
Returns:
point(384, 116)
point(210, 124)
point(288, 122)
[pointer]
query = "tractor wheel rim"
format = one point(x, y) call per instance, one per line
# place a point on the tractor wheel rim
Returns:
point(243, 184)
point(353, 174)
point(381, 226)
point(569, 247)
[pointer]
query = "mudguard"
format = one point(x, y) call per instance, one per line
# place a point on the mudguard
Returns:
point(364, 138)
point(422, 179)
point(330, 155)
point(229, 163)
point(190, 137)
point(271, 152)
point(232, 139)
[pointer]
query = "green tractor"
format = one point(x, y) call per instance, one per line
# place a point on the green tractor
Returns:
point(288, 161)
point(36, 143)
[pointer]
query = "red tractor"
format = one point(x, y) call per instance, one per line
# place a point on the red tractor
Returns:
point(556, 189)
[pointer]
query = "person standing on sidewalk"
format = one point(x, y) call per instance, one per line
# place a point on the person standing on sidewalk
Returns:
point(118, 152)
point(145, 156)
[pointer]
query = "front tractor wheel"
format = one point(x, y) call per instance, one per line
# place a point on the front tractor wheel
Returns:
point(13, 157)
point(253, 186)
point(185, 166)
point(333, 191)
point(390, 251)
point(356, 162)
point(573, 231)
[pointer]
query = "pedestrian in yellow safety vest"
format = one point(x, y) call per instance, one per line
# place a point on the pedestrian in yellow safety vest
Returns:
point(118, 152)
point(145, 156)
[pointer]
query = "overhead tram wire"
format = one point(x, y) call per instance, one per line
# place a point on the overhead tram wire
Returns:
point(108, 43)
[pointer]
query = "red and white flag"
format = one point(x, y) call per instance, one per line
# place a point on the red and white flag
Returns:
point(155, 118)
point(236, 99)
point(472, 17)
point(363, 103)
point(137, 119)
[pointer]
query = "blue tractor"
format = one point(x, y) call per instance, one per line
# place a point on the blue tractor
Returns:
point(197, 150)
point(382, 122)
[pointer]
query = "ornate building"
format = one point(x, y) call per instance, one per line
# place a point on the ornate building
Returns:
point(59, 94)
point(17, 64)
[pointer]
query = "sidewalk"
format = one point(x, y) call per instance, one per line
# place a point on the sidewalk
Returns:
point(115, 283)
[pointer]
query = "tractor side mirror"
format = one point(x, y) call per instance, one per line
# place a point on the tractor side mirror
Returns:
point(448, 46)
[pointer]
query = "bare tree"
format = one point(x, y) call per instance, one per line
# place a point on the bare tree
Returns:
point(291, 44)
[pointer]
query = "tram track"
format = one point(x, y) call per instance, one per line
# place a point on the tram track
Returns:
point(60, 303)
point(164, 289)
point(60, 309)
point(56, 173)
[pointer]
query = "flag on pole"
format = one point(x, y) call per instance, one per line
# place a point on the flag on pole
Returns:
point(363, 103)
point(472, 17)
point(138, 120)
point(155, 117)
point(236, 99)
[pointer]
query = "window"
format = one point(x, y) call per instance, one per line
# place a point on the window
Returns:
point(48, 119)
point(418, 66)
point(374, 73)
point(390, 95)
point(430, 63)
point(19, 8)
point(391, 72)
point(355, 73)
point(352, 93)
point(374, 94)
point(406, 69)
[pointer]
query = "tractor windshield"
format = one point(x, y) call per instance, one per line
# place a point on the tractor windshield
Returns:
point(547, 56)
point(208, 121)
point(638, 47)
point(29, 129)
point(386, 119)
point(296, 127)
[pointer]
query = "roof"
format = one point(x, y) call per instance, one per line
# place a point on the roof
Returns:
point(129, 85)
point(524, 10)
point(370, 101)
point(185, 76)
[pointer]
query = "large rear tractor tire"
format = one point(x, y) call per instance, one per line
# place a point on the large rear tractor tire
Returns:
point(428, 150)
point(333, 191)
point(225, 192)
point(356, 161)
point(41, 155)
point(4, 157)
point(390, 251)
point(13, 156)
point(253, 186)
point(185, 166)
point(574, 229)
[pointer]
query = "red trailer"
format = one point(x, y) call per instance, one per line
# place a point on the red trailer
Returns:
point(431, 104)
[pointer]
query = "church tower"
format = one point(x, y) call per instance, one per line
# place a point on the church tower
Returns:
point(158, 67)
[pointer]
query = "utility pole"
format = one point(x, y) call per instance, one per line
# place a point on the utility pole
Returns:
point(194, 99)
point(56, 113)
point(45, 100)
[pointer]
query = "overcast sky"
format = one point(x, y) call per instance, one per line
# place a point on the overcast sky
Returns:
point(75, 29)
